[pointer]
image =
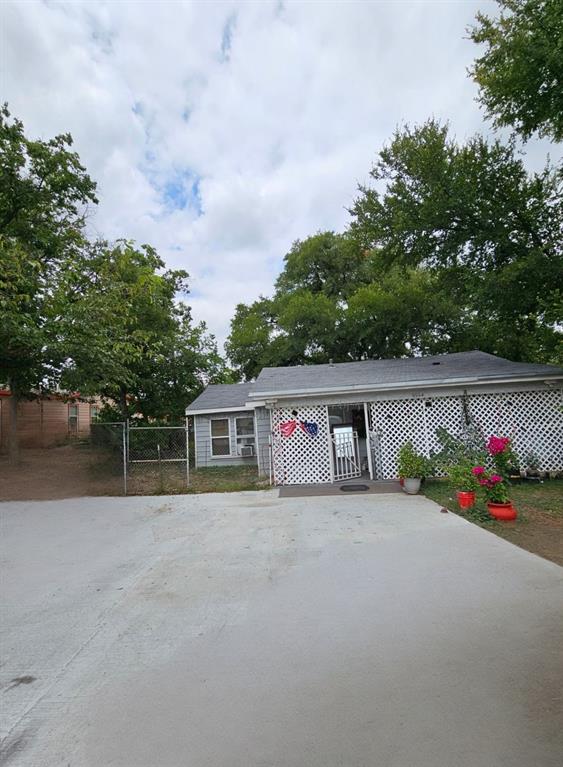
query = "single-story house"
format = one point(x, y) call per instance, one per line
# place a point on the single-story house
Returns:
point(47, 420)
point(326, 423)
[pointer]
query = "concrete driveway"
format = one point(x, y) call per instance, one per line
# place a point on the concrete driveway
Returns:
point(244, 630)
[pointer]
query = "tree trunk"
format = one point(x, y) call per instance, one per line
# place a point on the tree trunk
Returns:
point(123, 403)
point(13, 443)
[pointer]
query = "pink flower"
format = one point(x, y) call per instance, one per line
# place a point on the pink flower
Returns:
point(497, 445)
point(477, 470)
point(496, 478)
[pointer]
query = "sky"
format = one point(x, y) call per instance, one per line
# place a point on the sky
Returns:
point(221, 132)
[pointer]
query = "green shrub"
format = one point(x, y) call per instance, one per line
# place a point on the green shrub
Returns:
point(412, 464)
point(461, 476)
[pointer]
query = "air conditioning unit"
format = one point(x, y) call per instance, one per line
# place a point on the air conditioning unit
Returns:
point(247, 450)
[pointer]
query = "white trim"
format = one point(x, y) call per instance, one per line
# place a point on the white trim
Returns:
point(429, 383)
point(228, 436)
point(218, 409)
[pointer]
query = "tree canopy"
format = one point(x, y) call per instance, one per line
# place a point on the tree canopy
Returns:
point(125, 336)
point(451, 247)
point(94, 318)
point(520, 73)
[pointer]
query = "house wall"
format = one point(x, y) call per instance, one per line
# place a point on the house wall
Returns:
point(531, 415)
point(202, 439)
point(263, 440)
point(42, 423)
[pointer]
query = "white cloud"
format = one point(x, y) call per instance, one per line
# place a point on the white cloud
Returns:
point(258, 119)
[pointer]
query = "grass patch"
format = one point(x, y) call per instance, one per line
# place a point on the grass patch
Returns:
point(226, 479)
point(539, 526)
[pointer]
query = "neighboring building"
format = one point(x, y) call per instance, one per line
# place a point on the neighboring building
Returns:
point(47, 420)
point(325, 423)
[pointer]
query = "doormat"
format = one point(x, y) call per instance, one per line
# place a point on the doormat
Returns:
point(354, 488)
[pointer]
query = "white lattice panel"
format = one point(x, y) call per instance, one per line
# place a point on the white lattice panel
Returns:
point(300, 458)
point(396, 422)
point(533, 419)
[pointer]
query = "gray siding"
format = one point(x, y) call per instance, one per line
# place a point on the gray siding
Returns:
point(263, 433)
point(203, 457)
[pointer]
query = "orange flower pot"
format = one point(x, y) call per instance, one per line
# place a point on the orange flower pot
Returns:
point(465, 499)
point(502, 511)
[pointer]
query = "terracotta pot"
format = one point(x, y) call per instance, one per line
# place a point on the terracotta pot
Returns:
point(503, 511)
point(466, 499)
point(401, 481)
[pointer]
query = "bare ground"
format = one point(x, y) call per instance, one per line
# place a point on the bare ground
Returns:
point(70, 471)
point(79, 469)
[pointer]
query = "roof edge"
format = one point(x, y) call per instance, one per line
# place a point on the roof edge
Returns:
point(422, 383)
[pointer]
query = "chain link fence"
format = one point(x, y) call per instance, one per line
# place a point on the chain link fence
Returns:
point(108, 442)
point(142, 460)
point(157, 459)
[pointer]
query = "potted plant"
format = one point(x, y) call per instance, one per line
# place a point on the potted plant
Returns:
point(465, 482)
point(412, 468)
point(496, 494)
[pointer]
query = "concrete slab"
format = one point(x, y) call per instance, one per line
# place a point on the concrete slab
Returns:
point(244, 630)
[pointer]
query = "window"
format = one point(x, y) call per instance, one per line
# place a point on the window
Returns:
point(220, 437)
point(94, 413)
point(244, 432)
point(73, 419)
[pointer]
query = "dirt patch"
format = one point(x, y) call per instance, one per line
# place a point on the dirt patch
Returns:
point(539, 526)
point(78, 470)
point(70, 471)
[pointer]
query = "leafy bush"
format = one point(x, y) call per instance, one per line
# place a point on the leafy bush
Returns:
point(469, 446)
point(412, 464)
point(494, 485)
point(462, 477)
point(502, 455)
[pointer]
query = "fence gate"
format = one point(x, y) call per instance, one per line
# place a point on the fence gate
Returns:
point(157, 458)
point(345, 454)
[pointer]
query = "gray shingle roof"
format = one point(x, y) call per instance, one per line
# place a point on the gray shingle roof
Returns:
point(218, 396)
point(458, 367)
point(461, 365)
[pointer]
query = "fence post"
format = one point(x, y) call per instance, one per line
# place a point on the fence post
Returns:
point(125, 439)
point(187, 452)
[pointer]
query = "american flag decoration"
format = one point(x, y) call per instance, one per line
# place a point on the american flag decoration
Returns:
point(310, 428)
point(287, 428)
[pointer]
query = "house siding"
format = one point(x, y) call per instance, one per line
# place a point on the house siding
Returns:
point(263, 436)
point(42, 423)
point(202, 432)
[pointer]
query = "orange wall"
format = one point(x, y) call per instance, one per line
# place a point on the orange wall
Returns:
point(42, 422)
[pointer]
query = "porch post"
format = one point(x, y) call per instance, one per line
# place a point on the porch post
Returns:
point(368, 441)
point(330, 447)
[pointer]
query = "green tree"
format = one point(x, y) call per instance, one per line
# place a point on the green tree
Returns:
point(44, 198)
point(336, 299)
point(327, 263)
point(249, 343)
point(187, 361)
point(301, 323)
point(520, 74)
point(489, 233)
point(405, 312)
point(126, 338)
